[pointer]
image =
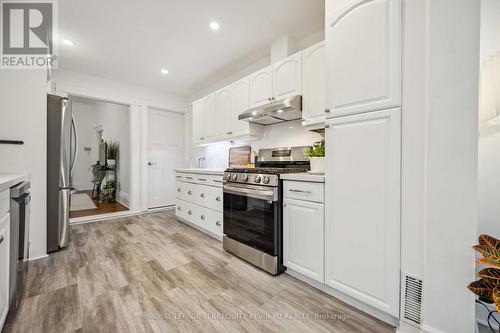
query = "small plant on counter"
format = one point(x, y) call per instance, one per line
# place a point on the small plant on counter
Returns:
point(108, 192)
point(316, 155)
point(317, 149)
point(488, 286)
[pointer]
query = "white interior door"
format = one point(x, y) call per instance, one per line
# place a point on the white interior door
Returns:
point(165, 153)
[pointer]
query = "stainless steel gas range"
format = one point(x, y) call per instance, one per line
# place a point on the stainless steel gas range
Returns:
point(253, 207)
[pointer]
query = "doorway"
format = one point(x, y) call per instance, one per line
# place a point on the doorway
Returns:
point(101, 176)
point(165, 153)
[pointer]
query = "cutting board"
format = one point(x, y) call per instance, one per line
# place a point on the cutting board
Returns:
point(239, 157)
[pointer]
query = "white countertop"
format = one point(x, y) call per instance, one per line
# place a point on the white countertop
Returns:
point(7, 180)
point(303, 177)
point(201, 171)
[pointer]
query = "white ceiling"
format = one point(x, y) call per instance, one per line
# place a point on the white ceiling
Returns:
point(131, 40)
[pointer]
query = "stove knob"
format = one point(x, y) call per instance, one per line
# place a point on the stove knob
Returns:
point(256, 179)
point(228, 176)
point(244, 177)
point(266, 180)
point(234, 176)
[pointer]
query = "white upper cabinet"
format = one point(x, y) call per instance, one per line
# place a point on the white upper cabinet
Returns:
point(287, 77)
point(362, 207)
point(261, 87)
point(223, 112)
point(209, 125)
point(198, 120)
point(313, 85)
point(363, 50)
point(241, 102)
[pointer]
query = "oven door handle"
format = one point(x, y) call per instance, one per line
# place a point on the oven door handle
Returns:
point(269, 195)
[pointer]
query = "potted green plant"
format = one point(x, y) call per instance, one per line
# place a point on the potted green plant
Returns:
point(108, 191)
point(487, 288)
point(112, 153)
point(316, 155)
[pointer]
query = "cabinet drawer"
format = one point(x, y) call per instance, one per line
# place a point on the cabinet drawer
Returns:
point(209, 197)
point(304, 191)
point(181, 208)
point(4, 202)
point(210, 220)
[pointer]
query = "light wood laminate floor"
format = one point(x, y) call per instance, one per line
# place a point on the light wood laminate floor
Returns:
point(151, 273)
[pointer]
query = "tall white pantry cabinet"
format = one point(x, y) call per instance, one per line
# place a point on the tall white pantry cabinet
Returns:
point(363, 135)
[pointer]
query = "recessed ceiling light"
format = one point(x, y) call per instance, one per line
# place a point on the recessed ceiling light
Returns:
point(164, 71)
point(214, 25)
point(68, 42)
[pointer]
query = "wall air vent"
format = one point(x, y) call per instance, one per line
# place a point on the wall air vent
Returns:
point(412, 299)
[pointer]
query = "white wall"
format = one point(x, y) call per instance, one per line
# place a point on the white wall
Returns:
point(451, 164)
point(139, 99)
point(114, 120)
point(23, 116)
point(490, 28)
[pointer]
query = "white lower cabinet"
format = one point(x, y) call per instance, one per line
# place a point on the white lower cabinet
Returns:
point(362, 201)
point(303, 237)
point(200, 201)
point(4, 267)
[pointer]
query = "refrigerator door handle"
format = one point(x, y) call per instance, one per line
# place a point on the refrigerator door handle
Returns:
point(64, 204)
point(65, 152)
point(75, 156)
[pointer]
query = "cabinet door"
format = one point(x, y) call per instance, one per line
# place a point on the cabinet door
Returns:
point(210, 125)
point(287, 77)
point(313, 84)
point(303, 237)
point(362, 228)
point(4, 267)
point(241, 102)
point(198, 120)
point(363, 48)
point(223, 112)
point(261, 87)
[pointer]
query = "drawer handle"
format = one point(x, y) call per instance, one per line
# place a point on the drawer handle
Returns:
point(1, 239)
point(178, 176)
point(216, 181)
point(190, 212)
point(179, 208)
point(189, 192)
point(202, 179)
point(189, 177)
point(299, 191)
point(202, 195)
point(217, 199)
point(179, 190)
point(203, 217)
point(217, 223)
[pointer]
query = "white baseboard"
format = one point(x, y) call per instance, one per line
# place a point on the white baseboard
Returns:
point(123, 198)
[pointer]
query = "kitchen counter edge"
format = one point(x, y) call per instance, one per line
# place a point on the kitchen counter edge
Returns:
point(219, 172)
point(7, 180)
point(303, 177)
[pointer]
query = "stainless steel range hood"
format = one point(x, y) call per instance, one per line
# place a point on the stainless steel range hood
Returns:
point(274, 112)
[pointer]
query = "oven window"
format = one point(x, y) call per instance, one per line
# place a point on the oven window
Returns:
point(251, 221)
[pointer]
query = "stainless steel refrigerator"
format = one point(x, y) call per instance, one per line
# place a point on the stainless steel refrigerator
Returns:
point(62, 149)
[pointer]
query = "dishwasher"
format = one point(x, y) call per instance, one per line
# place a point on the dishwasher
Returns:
point(20, 200)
